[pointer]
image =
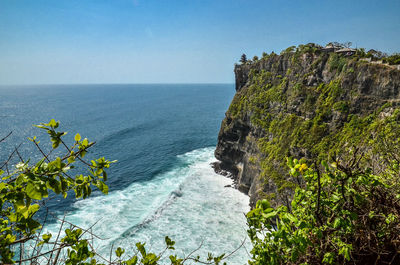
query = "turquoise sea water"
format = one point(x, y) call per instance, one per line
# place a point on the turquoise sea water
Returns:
point(163, 137)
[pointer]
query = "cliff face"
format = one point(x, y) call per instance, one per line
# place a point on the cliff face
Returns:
point(306, 104)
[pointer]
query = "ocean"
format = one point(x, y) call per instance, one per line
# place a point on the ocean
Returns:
point(163, 137)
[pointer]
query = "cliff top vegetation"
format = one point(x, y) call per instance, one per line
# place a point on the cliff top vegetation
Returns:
point(360, 53)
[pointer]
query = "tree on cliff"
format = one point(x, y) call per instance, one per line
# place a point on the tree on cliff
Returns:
point(243, 58)
point(24, 189)
point(347, 44)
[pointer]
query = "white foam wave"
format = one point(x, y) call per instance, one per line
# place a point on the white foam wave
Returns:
point(190, 204)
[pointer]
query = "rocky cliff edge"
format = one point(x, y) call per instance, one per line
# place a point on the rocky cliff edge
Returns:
point(304, 103)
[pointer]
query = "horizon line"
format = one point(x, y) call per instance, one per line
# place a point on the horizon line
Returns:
point(74, 84)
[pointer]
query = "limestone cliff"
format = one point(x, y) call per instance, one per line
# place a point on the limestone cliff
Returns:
point(305, 103)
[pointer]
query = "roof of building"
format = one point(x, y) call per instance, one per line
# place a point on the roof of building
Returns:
point(346, 50)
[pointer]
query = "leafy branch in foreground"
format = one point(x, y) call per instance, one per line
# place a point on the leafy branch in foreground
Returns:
point(343, 215)
point(24, 190)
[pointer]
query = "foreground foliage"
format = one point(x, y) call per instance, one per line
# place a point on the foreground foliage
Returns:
point(343, 215)
point(24, 189)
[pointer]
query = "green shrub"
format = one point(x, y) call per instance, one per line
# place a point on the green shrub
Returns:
point(289, 50)
point(337, 62)
point(343, 215)
point(393, 59)
point(342, 106)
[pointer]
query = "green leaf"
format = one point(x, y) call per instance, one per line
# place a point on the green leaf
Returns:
point(337, 222)
point(119, 252)
point(325, 164)
point(33, 208)
point(33, 192)
point(53, 123)
point(132, 261)
point(329, 258)
point(170, 243)
point(77, 137)
point(24, 211)
point(20, 179)
point(269, 215)
point(345, 251)
point(40, 127)
point(291, 217)
point(46, 237)
point(290, 162)
point(265, 204)
point(141, 249)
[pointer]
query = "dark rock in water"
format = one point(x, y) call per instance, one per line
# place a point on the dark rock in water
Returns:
point(177, 193)
point(243, 188)
point(228, 186)
point(296, 104)
point(221, 169)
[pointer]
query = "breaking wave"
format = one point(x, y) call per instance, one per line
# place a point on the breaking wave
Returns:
point(189, 203)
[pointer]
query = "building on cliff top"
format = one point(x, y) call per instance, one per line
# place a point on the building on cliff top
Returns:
point(346, 51)
point(329, 48)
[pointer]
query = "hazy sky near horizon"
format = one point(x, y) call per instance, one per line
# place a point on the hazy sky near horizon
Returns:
point(173, 41)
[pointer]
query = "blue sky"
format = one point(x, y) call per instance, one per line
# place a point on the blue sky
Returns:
point(171, 41)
